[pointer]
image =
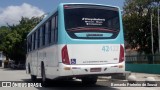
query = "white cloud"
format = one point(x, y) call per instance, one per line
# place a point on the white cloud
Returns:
point(13, 14)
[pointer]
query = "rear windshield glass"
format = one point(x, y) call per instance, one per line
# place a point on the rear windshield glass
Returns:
point(91, 22)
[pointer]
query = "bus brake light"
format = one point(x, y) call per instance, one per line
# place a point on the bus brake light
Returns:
point(66, 6)
point(121, 56)
point(65, 57)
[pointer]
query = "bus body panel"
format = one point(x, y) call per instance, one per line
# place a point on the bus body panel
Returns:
point(81, 69)
point(32, 62)
point(49, 56)
point(45, 55)
point(93, 53)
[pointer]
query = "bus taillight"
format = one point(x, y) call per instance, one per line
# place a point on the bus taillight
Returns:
point(121, 56)
point(66, 6)
point(65, 57)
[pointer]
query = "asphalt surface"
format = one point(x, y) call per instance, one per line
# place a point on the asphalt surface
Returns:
point(143, 76)
point(104, 83)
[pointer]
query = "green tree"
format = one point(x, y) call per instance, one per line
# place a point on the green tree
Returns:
point(3, 32)
point(14, 42)
point(137, 16)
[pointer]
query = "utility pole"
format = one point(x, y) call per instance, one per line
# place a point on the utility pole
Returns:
point(152, 40)
point(152, 35)
point(158, 30)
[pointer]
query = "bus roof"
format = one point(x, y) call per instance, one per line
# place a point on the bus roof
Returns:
point(90, 4)
point(61, 4)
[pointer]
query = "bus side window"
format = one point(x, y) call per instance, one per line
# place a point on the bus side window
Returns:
point(46, 33)
point(34, 41)
point(52, 31)
point(27, 45)
point(49, 31)
point(31, 42)
point(28, 42)
point(38, 38)
point(41, 44)
point(43, 34)
point(56, 29)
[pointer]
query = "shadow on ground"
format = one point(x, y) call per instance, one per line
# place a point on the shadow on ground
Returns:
point(68, 85)
point(11, 69)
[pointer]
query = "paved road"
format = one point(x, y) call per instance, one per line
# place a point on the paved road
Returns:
point(20, 75)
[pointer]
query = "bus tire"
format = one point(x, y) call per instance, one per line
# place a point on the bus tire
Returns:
point(89, 80)
point(29, 69)
point(33, 77)
point(43, 74)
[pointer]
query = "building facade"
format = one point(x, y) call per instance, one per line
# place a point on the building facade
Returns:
point(2, 58)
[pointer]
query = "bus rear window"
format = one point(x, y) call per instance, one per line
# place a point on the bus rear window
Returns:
point(91, 22)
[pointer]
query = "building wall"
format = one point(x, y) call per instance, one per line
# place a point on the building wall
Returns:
point(2, 57)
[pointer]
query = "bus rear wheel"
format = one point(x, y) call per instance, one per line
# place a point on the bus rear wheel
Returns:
point(43, 74)
point(33, 77)
point(89, 80)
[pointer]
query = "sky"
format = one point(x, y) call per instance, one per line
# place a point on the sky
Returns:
point(11, 11)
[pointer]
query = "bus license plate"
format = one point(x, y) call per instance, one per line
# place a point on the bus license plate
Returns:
point(95, 69)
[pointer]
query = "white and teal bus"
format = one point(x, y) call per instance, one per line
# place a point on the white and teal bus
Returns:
point(77, 40)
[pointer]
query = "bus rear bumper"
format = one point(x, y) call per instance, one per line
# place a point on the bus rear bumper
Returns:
point(91, 70)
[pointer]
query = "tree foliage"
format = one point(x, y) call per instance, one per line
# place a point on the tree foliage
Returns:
point(137, 24)
point(3, 32)
point(13, 38)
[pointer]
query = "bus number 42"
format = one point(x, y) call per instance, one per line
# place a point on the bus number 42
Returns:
point(109, 48)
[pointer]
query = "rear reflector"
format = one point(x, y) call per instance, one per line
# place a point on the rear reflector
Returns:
point(120, 66)
point(121, 56)
point(67, 68)
point(65, 57)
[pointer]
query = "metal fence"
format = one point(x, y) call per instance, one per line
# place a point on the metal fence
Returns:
point(143, 59)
